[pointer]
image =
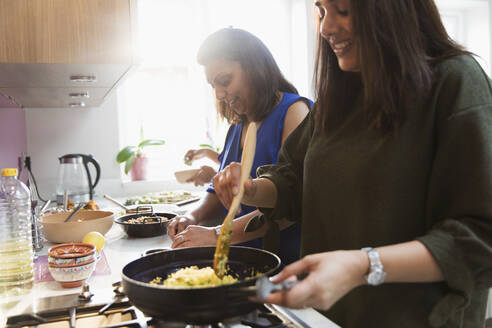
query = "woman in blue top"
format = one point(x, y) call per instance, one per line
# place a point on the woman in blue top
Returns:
point(249, 87)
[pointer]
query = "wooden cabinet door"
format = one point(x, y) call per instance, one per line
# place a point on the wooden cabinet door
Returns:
point(66, 31)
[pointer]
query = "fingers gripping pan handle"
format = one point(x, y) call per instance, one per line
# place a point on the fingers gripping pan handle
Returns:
point(264, 287)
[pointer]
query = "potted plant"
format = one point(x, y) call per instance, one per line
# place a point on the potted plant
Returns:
point(135, 159)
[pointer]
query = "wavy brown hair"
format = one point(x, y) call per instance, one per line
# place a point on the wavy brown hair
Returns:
point(263, 74)
point(398, 43)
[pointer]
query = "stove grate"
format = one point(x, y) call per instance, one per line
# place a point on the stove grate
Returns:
point(120, 313)
point(127, 315)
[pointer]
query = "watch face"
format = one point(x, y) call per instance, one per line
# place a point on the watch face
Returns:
point(376, 278)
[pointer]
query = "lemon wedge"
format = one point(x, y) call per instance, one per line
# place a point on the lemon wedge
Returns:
point(95, 238)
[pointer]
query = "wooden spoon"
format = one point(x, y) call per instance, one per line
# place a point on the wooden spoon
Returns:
point(224, 239)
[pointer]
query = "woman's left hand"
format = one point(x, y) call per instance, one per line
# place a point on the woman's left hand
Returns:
point(195, 235)
point(331, 275)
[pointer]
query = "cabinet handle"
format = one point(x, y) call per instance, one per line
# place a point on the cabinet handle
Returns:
point(77, 104)
point(83, 78)
point(79, 95)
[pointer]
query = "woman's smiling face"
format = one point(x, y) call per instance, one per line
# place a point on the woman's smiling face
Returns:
point(230, 84)
point(336, 29)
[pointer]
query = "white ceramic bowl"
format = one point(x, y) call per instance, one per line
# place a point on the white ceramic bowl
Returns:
point(182, 176)
point(73, 231)
point(73, 275)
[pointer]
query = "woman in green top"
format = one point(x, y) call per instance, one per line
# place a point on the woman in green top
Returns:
point(395, 155)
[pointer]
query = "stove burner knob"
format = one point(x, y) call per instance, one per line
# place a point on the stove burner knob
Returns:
point(118, 289)
point(85, 294)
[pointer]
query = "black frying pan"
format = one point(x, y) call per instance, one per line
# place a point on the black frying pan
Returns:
point(195, 305)
point(145, 229)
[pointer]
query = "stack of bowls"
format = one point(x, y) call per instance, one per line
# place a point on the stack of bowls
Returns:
point(72, 263)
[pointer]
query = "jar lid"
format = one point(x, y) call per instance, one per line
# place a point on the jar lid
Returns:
point(10, 172)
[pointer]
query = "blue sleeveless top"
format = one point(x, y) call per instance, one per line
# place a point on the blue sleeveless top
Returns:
point(268, 142)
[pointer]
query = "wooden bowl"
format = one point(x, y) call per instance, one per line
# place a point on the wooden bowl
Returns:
point(73, 231)
point(182, 176)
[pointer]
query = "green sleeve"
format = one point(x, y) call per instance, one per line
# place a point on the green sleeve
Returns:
point(459, 209)
point(287, 173)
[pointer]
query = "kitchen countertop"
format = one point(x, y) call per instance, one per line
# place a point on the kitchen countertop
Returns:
point(119, 250)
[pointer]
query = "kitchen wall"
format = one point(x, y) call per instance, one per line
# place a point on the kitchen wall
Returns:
point(13, 139)
point(54, 132)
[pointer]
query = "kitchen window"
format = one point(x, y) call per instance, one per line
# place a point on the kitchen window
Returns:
point(467, 22)
point(168, 95)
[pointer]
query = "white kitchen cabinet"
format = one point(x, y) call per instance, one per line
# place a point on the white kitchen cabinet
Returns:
point(53, 48)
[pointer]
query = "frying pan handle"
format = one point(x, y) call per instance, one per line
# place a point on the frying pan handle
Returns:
point(116, 202)
point(263, 288)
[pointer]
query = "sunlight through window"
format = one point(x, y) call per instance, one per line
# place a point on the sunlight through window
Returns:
point(168, 95)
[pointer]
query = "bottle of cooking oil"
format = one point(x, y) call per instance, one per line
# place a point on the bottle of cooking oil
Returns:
point(16, 252)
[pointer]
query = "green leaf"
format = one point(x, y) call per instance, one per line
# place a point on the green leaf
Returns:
point(151, 142)
point(126, 153)
point(129, 163)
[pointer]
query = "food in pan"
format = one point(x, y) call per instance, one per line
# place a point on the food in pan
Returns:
point(147, 219)
point(194, 277)
point(167, 197)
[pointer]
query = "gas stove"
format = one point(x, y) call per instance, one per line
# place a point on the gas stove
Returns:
point(112, 309)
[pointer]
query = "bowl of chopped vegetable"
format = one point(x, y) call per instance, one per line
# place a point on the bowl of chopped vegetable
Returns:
point(145, 224)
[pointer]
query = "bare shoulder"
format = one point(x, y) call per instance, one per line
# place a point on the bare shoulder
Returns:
point(295, 115)
point(297, 111)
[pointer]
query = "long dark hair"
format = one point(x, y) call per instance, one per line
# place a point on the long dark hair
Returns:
point(264, 76)
point(398, 43)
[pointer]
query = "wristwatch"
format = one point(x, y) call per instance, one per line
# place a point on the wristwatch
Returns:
point(217, 230)
point(376, 273)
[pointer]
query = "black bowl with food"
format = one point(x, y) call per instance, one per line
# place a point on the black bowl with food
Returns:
point(145, 224)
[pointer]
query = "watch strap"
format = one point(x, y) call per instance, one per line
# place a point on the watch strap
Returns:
point(376, 274)
point(217, 230)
